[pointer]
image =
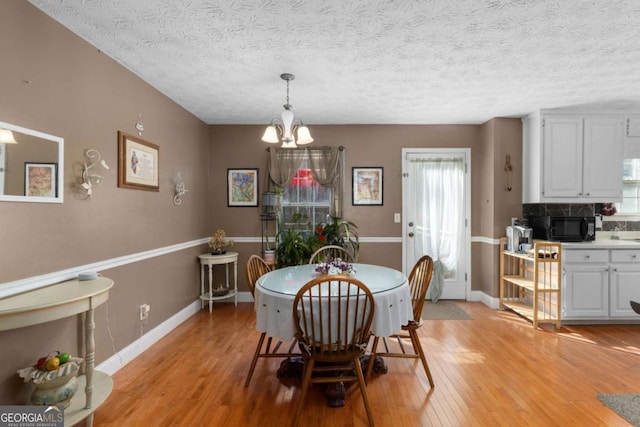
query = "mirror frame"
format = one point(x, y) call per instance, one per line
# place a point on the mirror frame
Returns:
point(60, 172)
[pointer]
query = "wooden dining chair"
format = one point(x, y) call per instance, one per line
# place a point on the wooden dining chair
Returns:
point(419, 280)
point(256, 267)
point(329, 252)
point(332, 316)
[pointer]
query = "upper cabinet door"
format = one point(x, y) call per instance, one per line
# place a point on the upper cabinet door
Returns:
point(562, 157)
point(603, 151)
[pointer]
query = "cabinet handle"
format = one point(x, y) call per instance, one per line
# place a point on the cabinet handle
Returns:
point(588, 194)
point(615, 269)
point(579, 194)
point(587, 256)
point(633, 257)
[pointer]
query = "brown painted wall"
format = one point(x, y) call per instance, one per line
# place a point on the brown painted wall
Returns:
point(496, 205)
point(78, 93)
point(59, 84)
point(366, 145)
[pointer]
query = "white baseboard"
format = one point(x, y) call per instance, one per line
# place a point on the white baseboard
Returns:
point(487, 300)
point(133, 350)
point(136, 348)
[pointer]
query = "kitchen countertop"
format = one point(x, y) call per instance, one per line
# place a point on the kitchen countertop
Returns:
point(604, 241)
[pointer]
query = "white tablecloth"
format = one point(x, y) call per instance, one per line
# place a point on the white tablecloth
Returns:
point(276, 290)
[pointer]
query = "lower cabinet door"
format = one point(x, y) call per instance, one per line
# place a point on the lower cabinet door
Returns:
point(586, 292)
point(625, 287)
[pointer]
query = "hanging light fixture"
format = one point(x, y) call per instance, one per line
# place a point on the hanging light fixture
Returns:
point(287, 128)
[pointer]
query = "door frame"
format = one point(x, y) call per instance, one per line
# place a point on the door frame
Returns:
point(467, 202)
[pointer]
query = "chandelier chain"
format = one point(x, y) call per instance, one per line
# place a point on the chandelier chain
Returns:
point(287, 106)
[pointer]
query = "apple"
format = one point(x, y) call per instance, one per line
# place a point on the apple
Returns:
point(64, 358)
point(41, 362)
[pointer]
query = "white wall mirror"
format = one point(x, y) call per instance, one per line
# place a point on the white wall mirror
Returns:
point(32, 167)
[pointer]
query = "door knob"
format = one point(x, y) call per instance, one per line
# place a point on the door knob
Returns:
point(411, 224)
point(411, 234)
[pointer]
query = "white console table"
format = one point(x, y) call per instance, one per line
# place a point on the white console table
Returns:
point(56, 302)
point(211, 260)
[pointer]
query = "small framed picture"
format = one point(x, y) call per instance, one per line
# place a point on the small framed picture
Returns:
point(242, 187)
point(40, 179)
point(138, 162)
point(367, 186)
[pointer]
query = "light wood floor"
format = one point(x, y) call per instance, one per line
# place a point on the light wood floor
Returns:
point(494, 370)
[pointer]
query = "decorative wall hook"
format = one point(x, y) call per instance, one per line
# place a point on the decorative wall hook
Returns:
point(508, 170)
point(180, 190)
point(90, 179)
point(139, 124)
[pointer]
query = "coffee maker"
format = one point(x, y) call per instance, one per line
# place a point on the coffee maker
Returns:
point(516, 235)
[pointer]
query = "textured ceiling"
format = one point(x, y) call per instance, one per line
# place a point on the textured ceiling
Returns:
point(370, 61)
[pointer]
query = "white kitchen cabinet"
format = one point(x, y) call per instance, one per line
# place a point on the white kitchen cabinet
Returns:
point(572, 158)
point(599, 283)
point(586, 291)
point(624, 282)
point(632, 136)
point(562, 157)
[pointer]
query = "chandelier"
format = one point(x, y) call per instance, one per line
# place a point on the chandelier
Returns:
point(287, 128)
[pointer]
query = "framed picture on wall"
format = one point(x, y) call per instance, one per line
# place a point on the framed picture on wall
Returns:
point(242, 187)
point(40, 179)
point(138, 162)
point(367, 186)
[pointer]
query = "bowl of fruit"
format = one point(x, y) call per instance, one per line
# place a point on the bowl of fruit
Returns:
point(53, 377)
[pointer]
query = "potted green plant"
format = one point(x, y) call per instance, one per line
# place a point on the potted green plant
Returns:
point(336, 231)
point(293, 248)
point(269, 254)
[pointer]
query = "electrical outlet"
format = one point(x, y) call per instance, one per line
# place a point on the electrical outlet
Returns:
point(144, 312)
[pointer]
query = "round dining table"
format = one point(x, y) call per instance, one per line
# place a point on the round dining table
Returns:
point(276, 290)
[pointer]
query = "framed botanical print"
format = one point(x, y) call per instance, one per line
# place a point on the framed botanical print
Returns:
point(40, 179)
point(242, 187)
point(367, 186)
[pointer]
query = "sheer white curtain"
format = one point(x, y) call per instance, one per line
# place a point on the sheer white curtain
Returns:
point(439, 196)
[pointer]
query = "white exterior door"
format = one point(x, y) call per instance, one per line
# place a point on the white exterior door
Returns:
point(435, 213)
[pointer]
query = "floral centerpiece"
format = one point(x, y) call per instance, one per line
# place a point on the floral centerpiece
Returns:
point(218, 242)
point(335, 266)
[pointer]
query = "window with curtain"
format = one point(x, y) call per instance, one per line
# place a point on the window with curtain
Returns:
point(312, 179)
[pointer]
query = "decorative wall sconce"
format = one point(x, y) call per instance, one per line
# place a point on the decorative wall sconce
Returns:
point(508, 170)
point(90, 179)
point(6, 137)
point(180, 190)
point(139, 124)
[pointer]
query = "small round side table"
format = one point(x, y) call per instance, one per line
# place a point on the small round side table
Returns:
point(211, 260)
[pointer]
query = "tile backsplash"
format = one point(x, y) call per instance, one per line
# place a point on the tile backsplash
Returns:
point(577, 209)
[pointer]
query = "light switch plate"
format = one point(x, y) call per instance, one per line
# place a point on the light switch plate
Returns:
point(396, 218)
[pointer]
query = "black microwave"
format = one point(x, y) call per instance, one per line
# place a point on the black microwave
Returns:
point(564, 228)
